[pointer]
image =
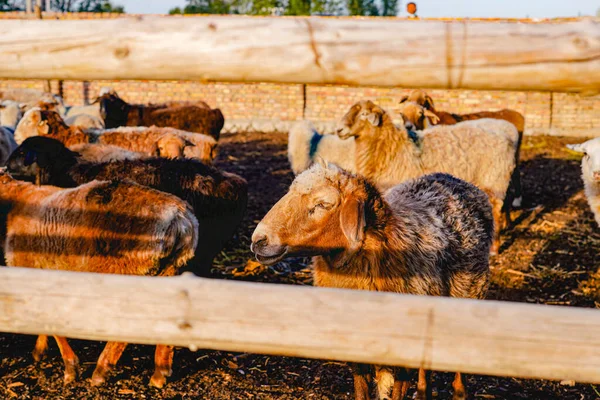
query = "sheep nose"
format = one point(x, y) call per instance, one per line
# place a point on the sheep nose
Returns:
point(259, 239)
point(259, 243)
point(409, 126)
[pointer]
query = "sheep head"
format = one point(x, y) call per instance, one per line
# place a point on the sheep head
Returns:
point(113, 109)
point(420, 97)
point(38, 152)
point(323, 213)
point(417, 117)
point(170, 146)
point(590, 164)
point(359, 119)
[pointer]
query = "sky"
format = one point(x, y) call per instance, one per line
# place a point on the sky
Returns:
point(435, 8)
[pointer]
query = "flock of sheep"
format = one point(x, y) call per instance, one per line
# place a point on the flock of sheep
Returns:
point(129, 189)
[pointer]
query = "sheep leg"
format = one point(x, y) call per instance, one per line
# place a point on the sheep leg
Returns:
point(498, 222)
point(362, 378)
point(41, 346)
point(384, 378)
point(401, 384)
point(460, 393)
point(424, 385)
point(108, 359)
point(163, 362)
point(70, 359)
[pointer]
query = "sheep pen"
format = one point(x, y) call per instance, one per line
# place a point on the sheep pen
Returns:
point(549, 258)
point(549, 255)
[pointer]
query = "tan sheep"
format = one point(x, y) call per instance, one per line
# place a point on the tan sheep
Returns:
point(386, 154)
point(305, 145)
point(147, 140)
point(427, 236)
point(99, 153)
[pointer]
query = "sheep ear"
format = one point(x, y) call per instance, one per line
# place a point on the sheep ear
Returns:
point(374, 118)
point(352, 221)
point(580, 148)
point(30, 158)
point(43, 127)
point(321, 162)
point(403, 99)
point(432, 117)
point(428, 104)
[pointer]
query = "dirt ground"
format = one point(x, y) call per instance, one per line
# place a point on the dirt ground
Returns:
point(549, 255)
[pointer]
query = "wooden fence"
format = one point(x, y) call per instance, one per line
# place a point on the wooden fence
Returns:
point(371, 52)
point(487, 337)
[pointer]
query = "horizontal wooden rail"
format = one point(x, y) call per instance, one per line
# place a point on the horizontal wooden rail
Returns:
point(369, 52)
point(485, 337)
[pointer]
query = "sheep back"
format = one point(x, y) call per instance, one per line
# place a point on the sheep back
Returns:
point(436, 241)
point(106, 227)
point(305, 145)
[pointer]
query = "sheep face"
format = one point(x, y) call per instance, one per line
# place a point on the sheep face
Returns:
point(113, 110)
point(420, 97)
point(171, 146)
point(416, 117)
point(590, 164)
point(357, 120)
point(320, 215)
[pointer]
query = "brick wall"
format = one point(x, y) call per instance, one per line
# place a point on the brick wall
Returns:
point(545, 113)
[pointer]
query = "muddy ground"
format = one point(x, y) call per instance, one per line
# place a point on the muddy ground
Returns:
point(549, 256)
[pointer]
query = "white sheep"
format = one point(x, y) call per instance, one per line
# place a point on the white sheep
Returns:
point(590, 173)
point(11, 113)
point(305, 145)
point(386, 154)
point(85, 121)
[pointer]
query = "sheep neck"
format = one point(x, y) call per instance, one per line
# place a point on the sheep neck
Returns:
point(14, 191)
point(384, 146)
point(383, 262)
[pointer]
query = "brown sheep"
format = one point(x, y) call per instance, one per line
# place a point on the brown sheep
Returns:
point(427, 236)
point(102, 227)
point(218, 198)
point(188, 117)
point(414, 118)
point(387, 155)
point(153, 141)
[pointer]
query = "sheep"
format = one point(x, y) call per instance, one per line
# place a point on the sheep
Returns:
point(153, 141)
point(218, 198)
point(590, 173)
point(103, 227)
point(99, 153)
point(419, 104)
point(426, 236)
point(11, 113)
point(189, 117)
point(387, 155)
point(85, 121)
point(305, 144)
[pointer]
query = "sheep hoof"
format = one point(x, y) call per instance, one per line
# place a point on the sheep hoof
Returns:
point(158, 380)
point(38, 355)
point(71, 371)
point(99, 376)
